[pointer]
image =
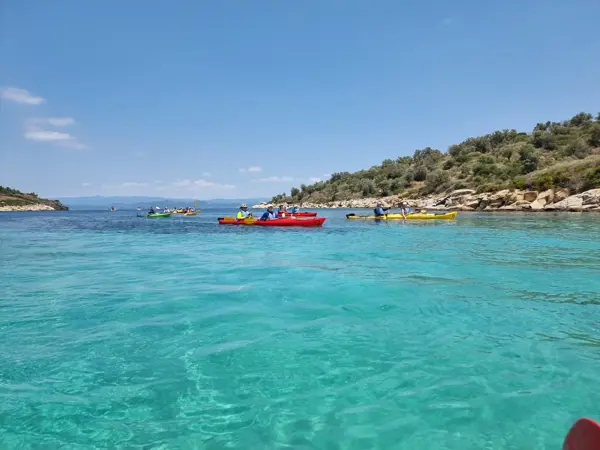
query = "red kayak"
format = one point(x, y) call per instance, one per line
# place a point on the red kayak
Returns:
point(583, 435)
point(299, 214)
point(291, 222)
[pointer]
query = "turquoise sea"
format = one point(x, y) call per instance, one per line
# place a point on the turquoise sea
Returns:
point(119, 332)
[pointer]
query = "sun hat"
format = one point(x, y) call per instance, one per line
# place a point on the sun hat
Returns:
point(243, 205)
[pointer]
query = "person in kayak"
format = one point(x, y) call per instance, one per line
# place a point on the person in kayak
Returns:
point(151, 211)
point(243, 213)
point(269, 214)
point(282, 209)
point(403, 209)
point(294, 209)
point(379, 210)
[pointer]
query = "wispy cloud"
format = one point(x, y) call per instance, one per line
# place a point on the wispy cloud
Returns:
point(315, 179)
point(206, 174)
point(86, 185)
point(275, 179)
point(22, 96)
point(251, 169)
point(200, 183)
point(36, 129)
point(327, 175)
point(51, 121)
point(47, 136)
point(133, 184)
point(73, 144)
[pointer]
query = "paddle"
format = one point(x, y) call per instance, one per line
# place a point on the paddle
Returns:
point(583, 435)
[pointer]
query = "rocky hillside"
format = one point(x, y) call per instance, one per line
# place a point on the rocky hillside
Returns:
point(470, 200)
point(15, 200)
point(554, 155)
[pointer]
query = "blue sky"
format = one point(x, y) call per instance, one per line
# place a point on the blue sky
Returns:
point(239, 98)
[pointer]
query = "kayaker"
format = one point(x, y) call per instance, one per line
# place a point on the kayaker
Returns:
point(294, 209)
point(282, 209)
point(269, 214)
point(243, 213)
point(151, 210)
point(403, 209)
point(379, 211)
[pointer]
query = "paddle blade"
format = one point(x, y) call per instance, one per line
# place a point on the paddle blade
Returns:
point(583, 435)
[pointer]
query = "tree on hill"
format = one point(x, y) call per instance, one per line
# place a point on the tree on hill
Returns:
point(494, 161)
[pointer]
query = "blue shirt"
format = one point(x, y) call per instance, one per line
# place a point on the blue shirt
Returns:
point(294, 210)
point(379, 211)
point(268, 216)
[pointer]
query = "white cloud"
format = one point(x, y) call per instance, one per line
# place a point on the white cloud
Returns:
point(201, 183)
point(275, 179)
point(22, 96)
point(45, 136)
point(61, 121)
point(35, 130)
point(52, 121)
point(251, 169)
point(130, 184)
point(73, 144)
point(86, 184)
point(206, 174)
point(327, 175)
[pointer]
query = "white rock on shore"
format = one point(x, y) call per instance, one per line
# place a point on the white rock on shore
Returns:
point(468, 200)
point(34, 207)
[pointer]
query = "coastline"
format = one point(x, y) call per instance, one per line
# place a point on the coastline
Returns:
point(32, 208)
point(550, 200)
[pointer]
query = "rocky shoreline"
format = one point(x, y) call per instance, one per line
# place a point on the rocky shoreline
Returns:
point(33, 207)
point(469, 200)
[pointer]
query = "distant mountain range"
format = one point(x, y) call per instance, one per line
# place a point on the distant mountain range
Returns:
point(99, 201)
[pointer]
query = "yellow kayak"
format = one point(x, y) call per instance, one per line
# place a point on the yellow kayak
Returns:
point(190, 214)
point(413, 216)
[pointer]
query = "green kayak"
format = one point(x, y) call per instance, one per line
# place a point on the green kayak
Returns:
point(158, 215)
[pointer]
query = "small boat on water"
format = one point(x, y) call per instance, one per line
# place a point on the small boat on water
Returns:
point(284, 222)
point(410, 216)
point(113, 209)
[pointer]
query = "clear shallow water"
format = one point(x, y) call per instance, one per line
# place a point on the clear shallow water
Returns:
point(119, 332)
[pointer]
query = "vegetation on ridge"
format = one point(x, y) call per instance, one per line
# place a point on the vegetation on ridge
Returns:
point(554, 154)
point(14, 197)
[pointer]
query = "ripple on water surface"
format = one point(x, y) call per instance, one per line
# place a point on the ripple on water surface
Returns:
point(119, 332)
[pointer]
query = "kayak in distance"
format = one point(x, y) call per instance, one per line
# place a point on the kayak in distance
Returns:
point(285, 222)
point(155, 215)
point(411, 216)
point(297, 214)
